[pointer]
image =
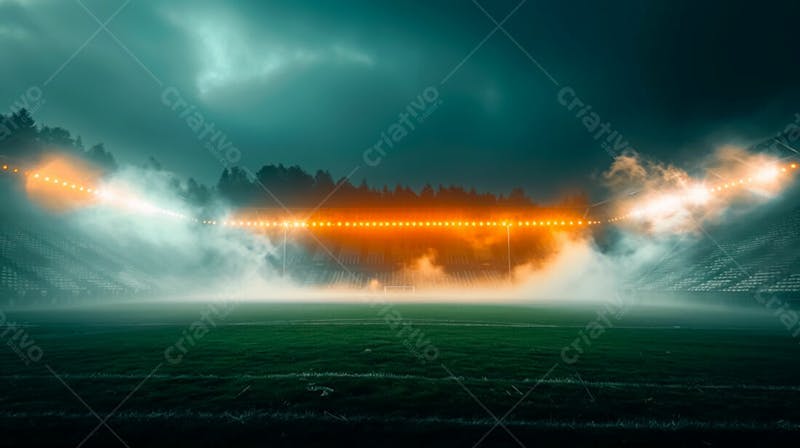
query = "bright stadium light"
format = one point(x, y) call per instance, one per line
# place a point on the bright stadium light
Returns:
point(699, 195)
point(767, 174)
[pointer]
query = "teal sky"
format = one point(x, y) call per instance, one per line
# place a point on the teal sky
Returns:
point(315, 83)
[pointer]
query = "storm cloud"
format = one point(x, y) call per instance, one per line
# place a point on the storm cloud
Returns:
point(316, 83)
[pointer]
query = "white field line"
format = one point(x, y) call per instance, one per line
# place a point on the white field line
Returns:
point(564, 381)
point(256, 415)
point(416, 322)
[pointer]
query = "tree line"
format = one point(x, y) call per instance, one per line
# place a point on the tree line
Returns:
point(22, 138)
point(294, 187)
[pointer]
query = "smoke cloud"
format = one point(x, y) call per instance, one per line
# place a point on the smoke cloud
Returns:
point(138, 214)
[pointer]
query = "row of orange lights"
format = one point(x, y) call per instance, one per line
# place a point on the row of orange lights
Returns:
point(742, 182)
point(750, 180)
point(65, 184)
point(323, 224)
point(412, 224)
point(53, 180)
point(57, 182)
point(620, 218)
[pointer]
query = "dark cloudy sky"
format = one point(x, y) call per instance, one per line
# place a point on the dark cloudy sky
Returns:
point(315, 82)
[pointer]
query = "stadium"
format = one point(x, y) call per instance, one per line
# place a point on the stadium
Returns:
point(395, 269)
point(368, 248)
point(577, 226)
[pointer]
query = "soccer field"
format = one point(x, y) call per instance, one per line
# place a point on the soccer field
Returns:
point(267, 374)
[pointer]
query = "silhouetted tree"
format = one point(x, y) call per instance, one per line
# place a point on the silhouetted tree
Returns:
point(20, 137)
point(18, 134)
point(235, 186)
point(517, 198)
point(98, 155)
point(56, 136)
point(197, 193)
point(323, 185)
point(426, 196)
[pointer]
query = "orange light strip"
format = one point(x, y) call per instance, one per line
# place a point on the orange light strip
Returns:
point(764, 176)
point(64, 183)
point(67, 184)
point(397, 224)
point(103, 195)
point(323, 224)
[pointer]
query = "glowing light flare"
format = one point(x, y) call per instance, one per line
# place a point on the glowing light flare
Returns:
point(698, 195)
point(378, 226)
point(61, 176)
point(764, 177)
point(767, 174)
point(59, 183)
point(65, 191)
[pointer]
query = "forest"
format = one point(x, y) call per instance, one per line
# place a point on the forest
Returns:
point(23, 140)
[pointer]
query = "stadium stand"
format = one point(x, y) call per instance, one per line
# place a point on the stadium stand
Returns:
point(763, 259)
point(51, 266)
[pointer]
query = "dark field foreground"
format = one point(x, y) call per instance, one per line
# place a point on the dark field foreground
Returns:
point(262, 374)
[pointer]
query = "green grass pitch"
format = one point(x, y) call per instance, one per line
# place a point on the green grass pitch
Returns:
point(279, 374)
